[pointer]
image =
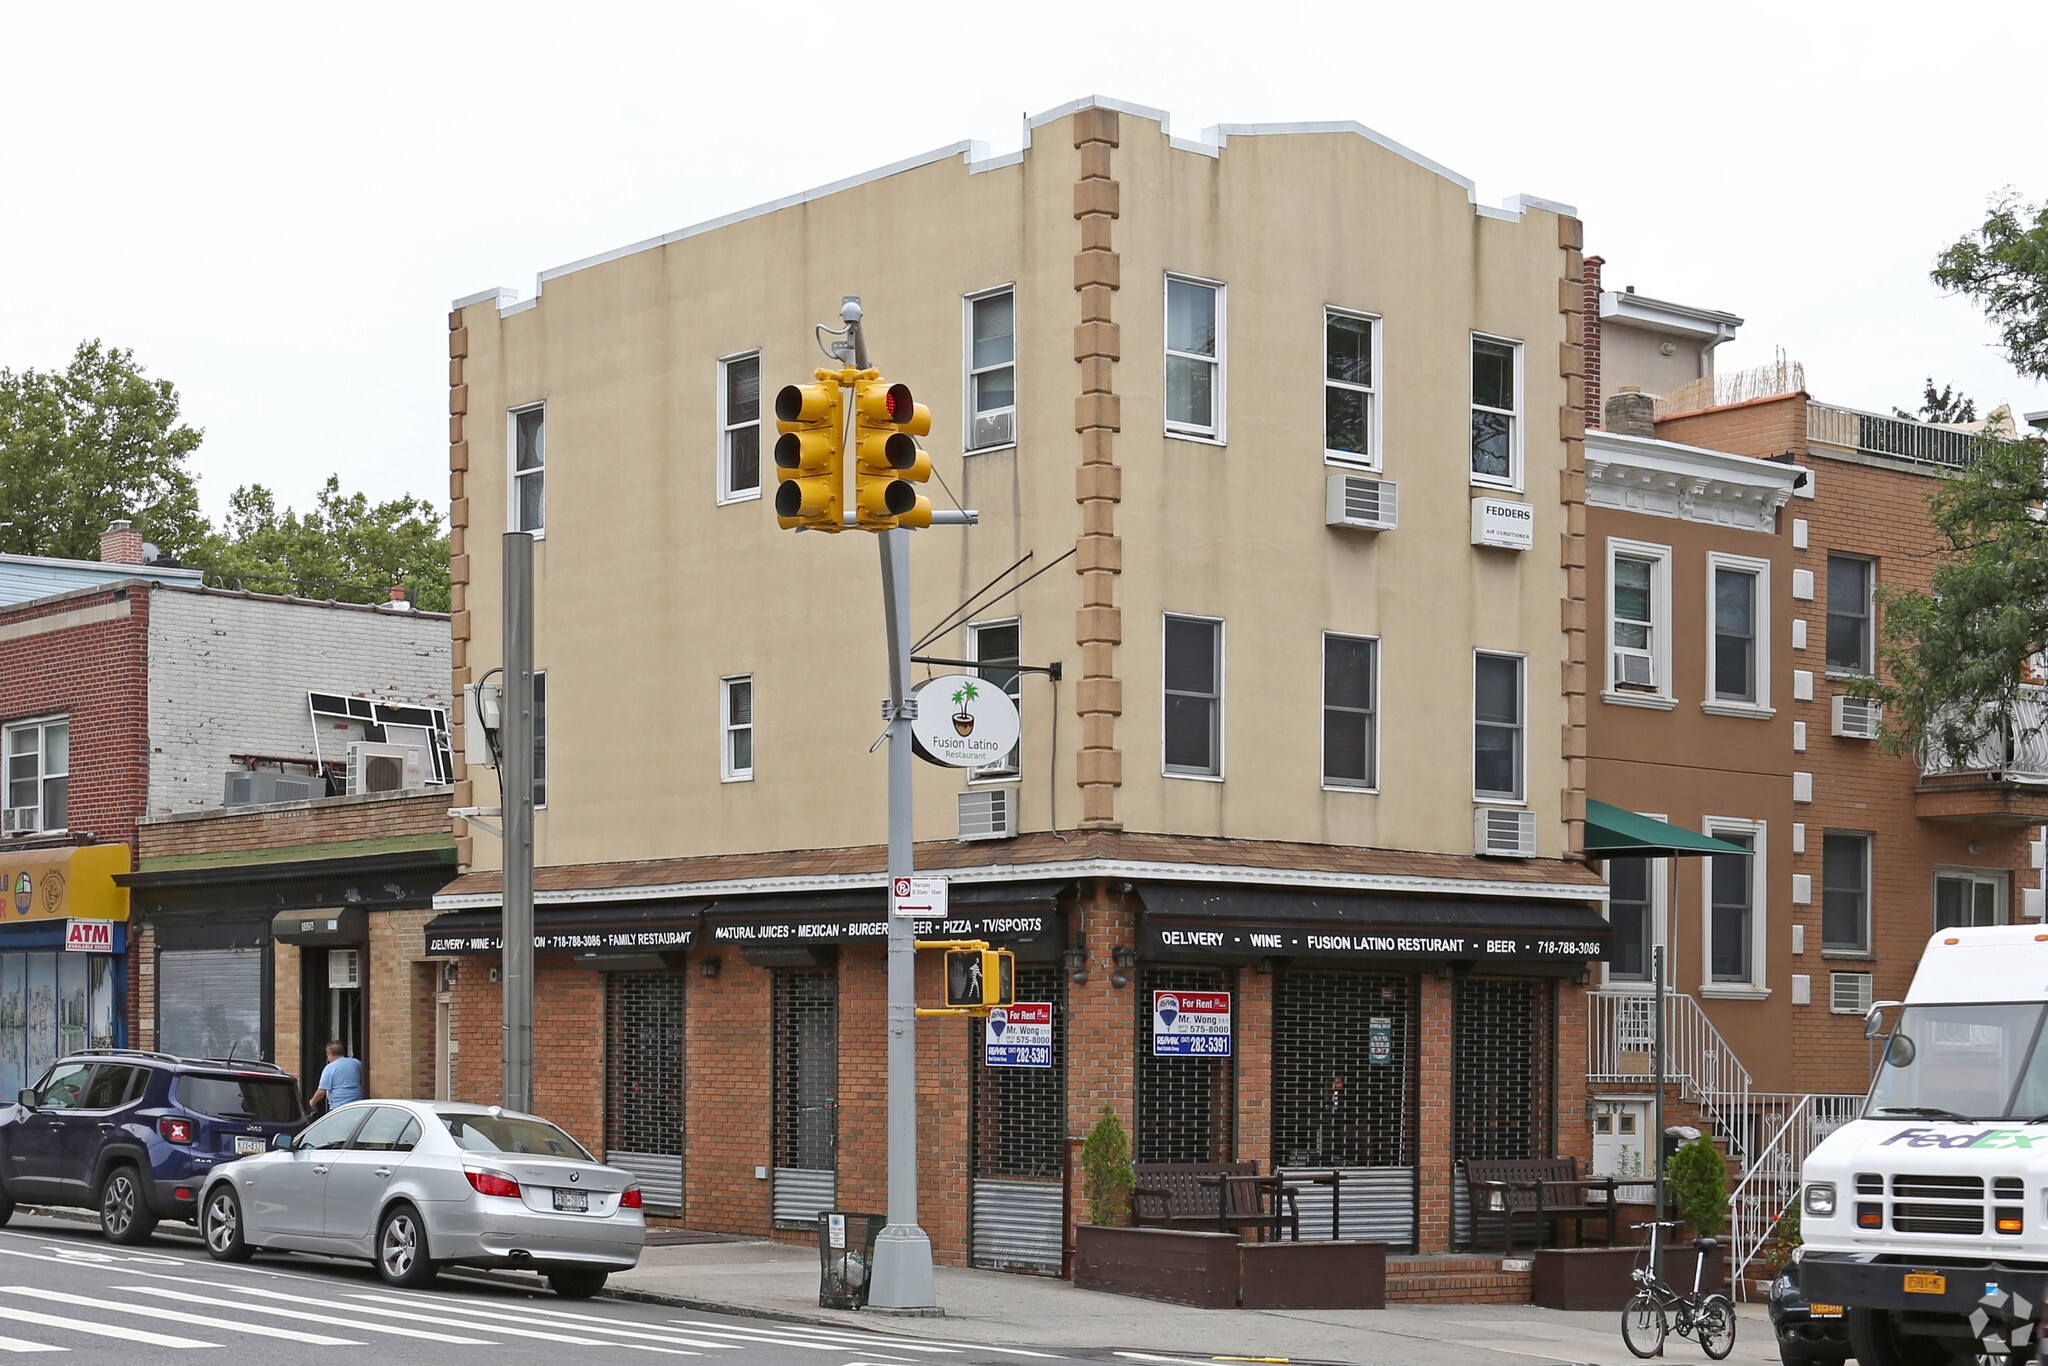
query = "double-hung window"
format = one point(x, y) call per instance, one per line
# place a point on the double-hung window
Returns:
point(529, 469)
point(996, 657)
point(736, 728)
point(38, 778)
point(1849, 615)
point(1496, 416)
point(1350, 390)
point(1731, 909)
point(1498, 725)
point(1193, 729)
point(1738, 642)
point(1194, 358)
point(1964, 898)
point(1845, 893)
point(739, 427)
point(1638, 621)
point(1350, 711)
point(992, 370)
point(1629, 907)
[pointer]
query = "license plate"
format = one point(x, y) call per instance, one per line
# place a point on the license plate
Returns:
point(1825, 1311)
point(1924, 1283)
point(573, 1202)
point(245, 1146)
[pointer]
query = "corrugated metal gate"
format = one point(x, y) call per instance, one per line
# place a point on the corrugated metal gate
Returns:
point(1187, 1107)
point(806, 1087)
point(1345, 1054)
point(1017, 1159)
point(645, 1082)
point(1503, 1084)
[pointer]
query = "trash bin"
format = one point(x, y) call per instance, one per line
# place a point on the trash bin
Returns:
point(846, 1252)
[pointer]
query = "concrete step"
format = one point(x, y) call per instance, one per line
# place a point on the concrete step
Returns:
point(1458, 1280)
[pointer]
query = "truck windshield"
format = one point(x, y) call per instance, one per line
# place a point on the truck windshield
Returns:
point(1963, 1061)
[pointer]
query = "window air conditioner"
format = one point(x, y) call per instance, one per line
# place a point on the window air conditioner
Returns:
point(1634, 670)
point(1498, 832)
point(1858, 718)
point(242, 787)
point(344, 969)
point(988, 813)
point(386, 768)
point(1849, 992)
point(18, 820)
point(1355, 501)
point(995, 429)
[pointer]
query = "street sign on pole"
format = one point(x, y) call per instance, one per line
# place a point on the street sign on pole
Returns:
point(918, 898)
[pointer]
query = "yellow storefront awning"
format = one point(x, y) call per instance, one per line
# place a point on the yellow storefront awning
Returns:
point(52, 884)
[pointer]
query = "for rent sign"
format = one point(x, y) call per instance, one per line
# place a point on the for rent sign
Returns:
point(1019, 1035)
point(1190, 1024)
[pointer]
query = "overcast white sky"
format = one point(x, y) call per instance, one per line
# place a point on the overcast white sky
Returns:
point(274, 204)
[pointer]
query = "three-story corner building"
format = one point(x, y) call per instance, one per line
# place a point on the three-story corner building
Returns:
point(1275, 439)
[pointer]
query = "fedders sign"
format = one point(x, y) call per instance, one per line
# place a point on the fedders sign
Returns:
point(89, 936)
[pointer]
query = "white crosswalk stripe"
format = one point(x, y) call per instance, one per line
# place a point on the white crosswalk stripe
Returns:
point(440, 1318)
point(105, 1330)
point(493, 1313)
point(854, 1338)
point(23, 1345)
point(299, 1315)
point(177, 1316)
point(823, 1340)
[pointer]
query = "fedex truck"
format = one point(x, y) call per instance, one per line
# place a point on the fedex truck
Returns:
point(1927, 1217)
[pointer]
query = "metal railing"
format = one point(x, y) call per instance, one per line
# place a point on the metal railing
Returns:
point(1697, 1059)
point(1896, 437)
point(1770, 1180)
point(2017, 750)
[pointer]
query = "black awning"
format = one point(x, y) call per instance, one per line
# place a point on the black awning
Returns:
point(1008, 912)
point(612, 927)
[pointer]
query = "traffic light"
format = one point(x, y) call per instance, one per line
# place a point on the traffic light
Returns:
point(979, 978)
point(888, 463)
point(809, 455)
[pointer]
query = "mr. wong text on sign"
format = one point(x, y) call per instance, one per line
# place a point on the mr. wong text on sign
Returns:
point(965, 722)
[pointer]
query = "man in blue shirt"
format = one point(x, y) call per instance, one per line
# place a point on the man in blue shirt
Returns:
point(341, 1081)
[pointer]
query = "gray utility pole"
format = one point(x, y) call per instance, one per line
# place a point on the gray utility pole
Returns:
point(1657, 1047)
point(515, 782)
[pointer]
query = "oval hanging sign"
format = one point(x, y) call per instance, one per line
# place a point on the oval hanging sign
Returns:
point(965, 722)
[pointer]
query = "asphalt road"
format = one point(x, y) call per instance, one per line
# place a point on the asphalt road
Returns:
point(64, 1289)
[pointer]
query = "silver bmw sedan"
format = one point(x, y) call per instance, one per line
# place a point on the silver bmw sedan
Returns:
point(413, 1185)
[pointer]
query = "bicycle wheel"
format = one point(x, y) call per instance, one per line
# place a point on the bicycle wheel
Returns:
point(1715, 1322)
point(1642, 1324)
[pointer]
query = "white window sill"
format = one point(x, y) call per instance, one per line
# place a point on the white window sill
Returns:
point(1734, 991)
point(746, 777)
point(991, 450)
point(1200, 438)
point(1655, 700)
point(1747, 710)
point(1481, 481)
point(1341, 461)
point(1192, 777)
point(994, 779)
point(1351, 787)
point(1848, 955)
point(1630, 986)
point(731, 498)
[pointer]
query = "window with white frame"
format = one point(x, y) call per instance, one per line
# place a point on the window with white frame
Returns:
point(1631, 903)
point(995, 649)
point(38, 757)
point(1734, 936)
point(529, 469)
point(1964, 896)
point(1845, 892)
point(1498, 725)
point(1496, 414)
point(992, 370)
point(1350, 711)
point(1194, 358)
point(739, 427)
point(1350, 389)
point(1193, 674)
point(1738, 640)
point(1638, 620)
point(1849, 614)
point(540, 738)
point(736, 727)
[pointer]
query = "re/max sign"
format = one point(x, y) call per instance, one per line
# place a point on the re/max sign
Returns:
point(1988, 1138)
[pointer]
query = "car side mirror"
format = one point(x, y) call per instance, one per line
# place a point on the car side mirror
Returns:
point(284, 1143)
point(28, 1098)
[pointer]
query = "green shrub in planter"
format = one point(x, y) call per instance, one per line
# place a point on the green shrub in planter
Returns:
point(1697, 1177)
point(1106, 1177)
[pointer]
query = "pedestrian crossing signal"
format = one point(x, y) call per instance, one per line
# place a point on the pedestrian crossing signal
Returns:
point(977, 979)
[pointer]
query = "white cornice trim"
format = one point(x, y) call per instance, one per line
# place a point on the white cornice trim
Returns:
point(1689, 483)
point(1661, 315)
point(1120, 869)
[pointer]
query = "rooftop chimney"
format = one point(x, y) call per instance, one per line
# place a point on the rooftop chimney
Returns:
point(121, 543)
point(1590, 316)
point(398, 602)
point(1632, 412)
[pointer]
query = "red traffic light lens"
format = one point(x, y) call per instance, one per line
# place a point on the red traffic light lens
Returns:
point(901, 404)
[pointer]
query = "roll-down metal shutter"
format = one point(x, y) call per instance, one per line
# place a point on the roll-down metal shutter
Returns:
point(209, 1002)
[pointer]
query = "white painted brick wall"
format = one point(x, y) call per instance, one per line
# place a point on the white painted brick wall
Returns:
point(229, 675)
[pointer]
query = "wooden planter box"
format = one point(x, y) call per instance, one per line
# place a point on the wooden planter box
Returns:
point(1598, 1277)
point(1196, 1269)
point(1321, 1275)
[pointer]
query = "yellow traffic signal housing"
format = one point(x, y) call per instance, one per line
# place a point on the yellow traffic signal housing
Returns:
point(810, 454)
point(888, 463)
point(977, 979)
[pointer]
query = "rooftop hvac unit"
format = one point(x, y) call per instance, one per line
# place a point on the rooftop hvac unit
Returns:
point(995, 429)
point(988, 813)
point(1498, 832)
point(386, 768)
point(18, 820)
point(1355, 501)
point(1634, 670)
point(1858, 718)
point(1849, 992)
point(344, 969)
point(263, 786)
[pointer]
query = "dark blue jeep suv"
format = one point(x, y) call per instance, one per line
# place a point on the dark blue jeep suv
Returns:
point(133, 1134)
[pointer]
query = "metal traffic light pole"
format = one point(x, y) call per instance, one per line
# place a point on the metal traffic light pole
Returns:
point(515, 780)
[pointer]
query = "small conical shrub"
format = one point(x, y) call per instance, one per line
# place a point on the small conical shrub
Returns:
point(1697, 1177)
point(1106, 1171)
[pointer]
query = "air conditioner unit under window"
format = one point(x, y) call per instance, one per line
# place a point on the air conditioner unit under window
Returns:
point(1849, 992)
point(386, 768)
point(344, 969)
point(1858, 718)
point(1634, 670)
point(994, 429)
point(1356, 501)
point(18, 820)
point(1498, 832)
point(988, 813)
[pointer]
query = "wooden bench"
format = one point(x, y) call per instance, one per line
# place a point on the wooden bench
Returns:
point(1223, 1197)
point(1545, 1187)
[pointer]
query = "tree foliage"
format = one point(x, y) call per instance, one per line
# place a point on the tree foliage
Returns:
point(1106, 1174)
point(1697, 1177)
point(346, 547)
point(1943, 405)
point(2003, 268)
point(90, 444)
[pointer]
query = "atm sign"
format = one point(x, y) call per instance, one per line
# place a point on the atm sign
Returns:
point(89, 936)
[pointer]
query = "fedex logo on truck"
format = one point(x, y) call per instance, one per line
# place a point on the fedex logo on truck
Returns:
point(1983, 1138)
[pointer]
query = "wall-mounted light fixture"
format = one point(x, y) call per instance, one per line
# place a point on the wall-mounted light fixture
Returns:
point(709, 967)
point(1125, 959)
point(1076, 961)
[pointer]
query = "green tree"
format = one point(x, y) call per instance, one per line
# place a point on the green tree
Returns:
point(1106, 1174)
point(1941, 405)
point(346, 547)
point(1697, 1177)
point(2002, 267)
point(90, 444)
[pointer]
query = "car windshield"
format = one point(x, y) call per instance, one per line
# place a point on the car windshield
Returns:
point(510, 1134)
point(1963, 1062)
point(272, 1100)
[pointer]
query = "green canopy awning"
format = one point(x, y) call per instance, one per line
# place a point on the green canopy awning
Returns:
point(1612, 832)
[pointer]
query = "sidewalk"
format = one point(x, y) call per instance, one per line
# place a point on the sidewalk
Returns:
point(778, 1280)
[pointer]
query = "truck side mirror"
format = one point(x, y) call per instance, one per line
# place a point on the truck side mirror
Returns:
point(1873, 1019)
point(27, 1098)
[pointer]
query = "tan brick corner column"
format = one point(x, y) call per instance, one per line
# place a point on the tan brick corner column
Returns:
point(1098, 699)
point(1571, 364)
point(1436, 1159)
point(458, 573)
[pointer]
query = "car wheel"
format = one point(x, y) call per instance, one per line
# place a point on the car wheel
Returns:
point(1875, 1341)
point(125, 1215)
point(221, 1224)
point(577, 1282)
point(6, 1209)
point(402, 1249)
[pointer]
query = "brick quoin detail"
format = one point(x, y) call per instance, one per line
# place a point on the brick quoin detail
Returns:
point(1591, 268)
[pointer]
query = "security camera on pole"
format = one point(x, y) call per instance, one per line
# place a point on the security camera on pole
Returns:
point(815, 493)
